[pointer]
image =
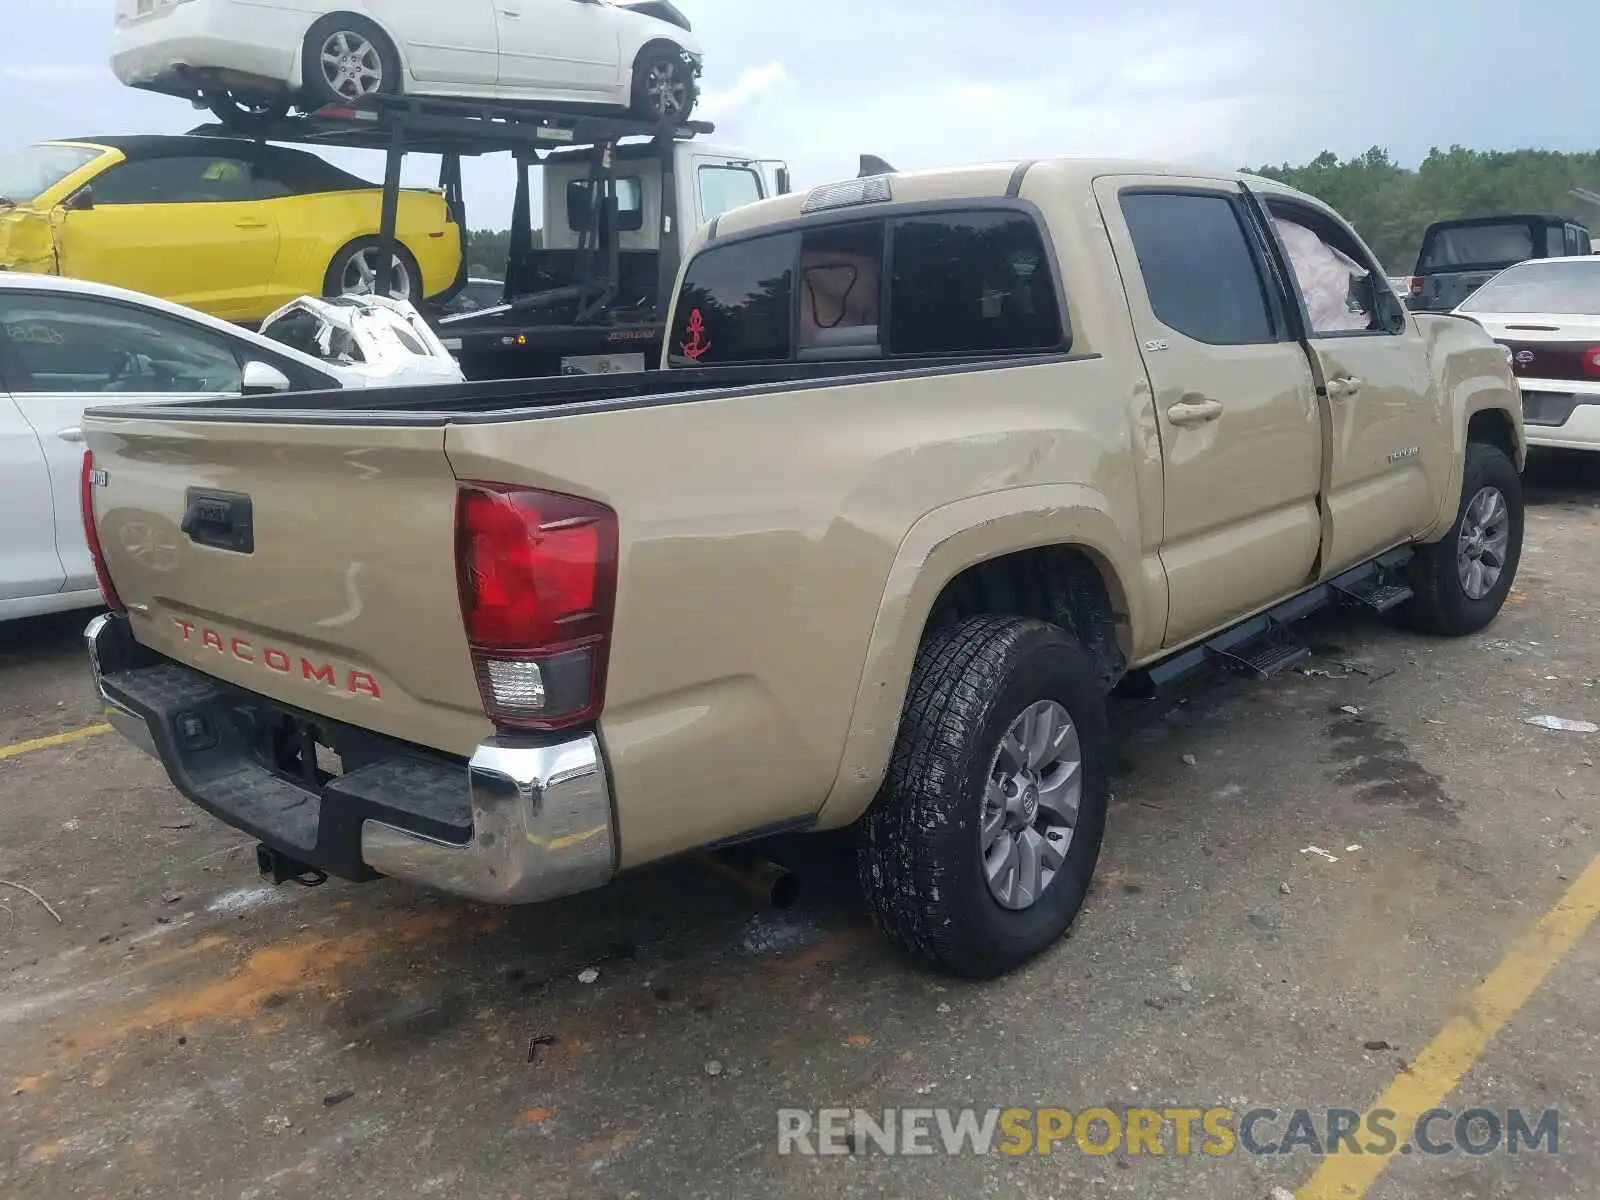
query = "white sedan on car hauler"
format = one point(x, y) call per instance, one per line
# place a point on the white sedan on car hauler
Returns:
point(254, 58)
point(66, 345)
point(1546, 313)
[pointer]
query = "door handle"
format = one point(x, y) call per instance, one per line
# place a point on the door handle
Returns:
point(249, 224)
point(70, 434)
point(1344, 385)
point(1194, 410)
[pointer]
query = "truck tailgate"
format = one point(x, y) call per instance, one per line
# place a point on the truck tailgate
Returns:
point(313, 564)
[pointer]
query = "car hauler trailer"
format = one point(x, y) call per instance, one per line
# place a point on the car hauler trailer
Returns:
point(615, 196)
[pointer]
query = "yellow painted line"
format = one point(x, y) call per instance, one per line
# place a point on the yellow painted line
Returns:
point(1439, 1068)
point(55, 739)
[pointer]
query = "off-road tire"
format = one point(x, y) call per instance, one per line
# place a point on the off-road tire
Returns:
point(1440, 605)
point(919, 860)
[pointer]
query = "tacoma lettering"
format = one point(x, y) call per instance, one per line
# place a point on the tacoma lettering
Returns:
point(354, 683)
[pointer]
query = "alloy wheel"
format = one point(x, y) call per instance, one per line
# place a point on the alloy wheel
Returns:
point(1485, 538)
point(1030, 804)
point(667, 88)
point(351, 66)
point(360, 276)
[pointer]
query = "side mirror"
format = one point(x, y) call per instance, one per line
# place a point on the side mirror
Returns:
point(81, 200)
point(263, 379)
point(1390, 310)
point(782, 179)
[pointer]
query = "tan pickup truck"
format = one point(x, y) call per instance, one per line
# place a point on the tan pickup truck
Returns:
point(934, 462)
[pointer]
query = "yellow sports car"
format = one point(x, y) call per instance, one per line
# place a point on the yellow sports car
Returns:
point(231, 227)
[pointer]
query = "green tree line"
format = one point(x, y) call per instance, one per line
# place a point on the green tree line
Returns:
point(1390, 205)
point(488, 250)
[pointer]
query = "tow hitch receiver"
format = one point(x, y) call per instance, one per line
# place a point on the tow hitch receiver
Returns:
point(282, 868)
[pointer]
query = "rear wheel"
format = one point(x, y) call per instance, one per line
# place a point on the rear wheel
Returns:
point(978, 852)
point(346, 59)
point(1462, 580)
point(663, 85)
point(246, 110)
point(354, 272)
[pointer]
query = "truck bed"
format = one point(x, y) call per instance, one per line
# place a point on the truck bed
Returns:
point(517, 399)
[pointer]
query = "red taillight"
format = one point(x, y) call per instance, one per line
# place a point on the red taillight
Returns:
point(86, 484)
point(1591, 362)
point(537, 572)
point(1414, 285)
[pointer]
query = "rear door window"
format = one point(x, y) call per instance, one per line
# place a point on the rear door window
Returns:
point(1200, 272)
point(956, 283)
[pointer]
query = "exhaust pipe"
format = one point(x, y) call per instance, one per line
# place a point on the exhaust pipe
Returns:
point(769, 883)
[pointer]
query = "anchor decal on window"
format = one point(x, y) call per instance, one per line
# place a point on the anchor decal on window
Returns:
point(698, 343)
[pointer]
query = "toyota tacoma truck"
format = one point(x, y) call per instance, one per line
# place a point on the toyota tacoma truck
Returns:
point(935, 462)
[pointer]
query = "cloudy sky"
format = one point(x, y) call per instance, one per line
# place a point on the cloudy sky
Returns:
point(926, 82)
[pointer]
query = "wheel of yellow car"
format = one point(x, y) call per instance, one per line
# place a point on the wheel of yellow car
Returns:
point(246, 110)
point(347, 58)
point(663, 84)
point(977, 854)
point(354, 271)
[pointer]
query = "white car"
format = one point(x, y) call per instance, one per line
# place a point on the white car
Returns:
point(66, 345)
point(1546, 313)
point(253, 59)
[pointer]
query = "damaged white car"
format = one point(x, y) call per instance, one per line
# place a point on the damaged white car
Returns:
point(369, 341)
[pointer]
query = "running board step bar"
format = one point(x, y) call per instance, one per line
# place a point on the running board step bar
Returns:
point(1271, 652)
point(1264, 645)
point(1375, 594)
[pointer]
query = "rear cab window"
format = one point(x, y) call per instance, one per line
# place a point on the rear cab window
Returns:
point(945, 283)
point(1469, 247)
point(630, 204)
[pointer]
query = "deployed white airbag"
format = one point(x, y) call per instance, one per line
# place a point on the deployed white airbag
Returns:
point(1327, 277)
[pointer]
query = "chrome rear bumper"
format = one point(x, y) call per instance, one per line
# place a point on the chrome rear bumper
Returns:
point(541, 828)
point(519, 822)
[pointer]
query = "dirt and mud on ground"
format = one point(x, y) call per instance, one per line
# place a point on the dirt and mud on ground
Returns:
point(1304, 886)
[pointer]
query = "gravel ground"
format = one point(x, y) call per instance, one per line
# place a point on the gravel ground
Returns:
point(186, 1030)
